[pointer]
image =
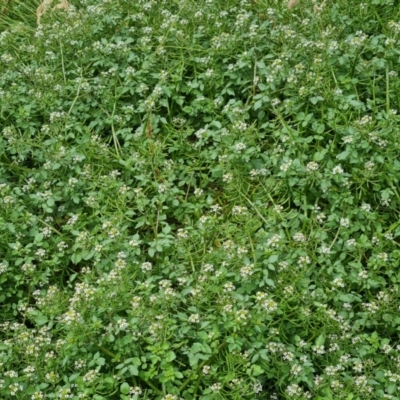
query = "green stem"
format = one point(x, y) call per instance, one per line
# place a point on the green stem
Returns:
point(49, 226)
point(75, 99)
point(252, 205)
point(116, 142)
point(62, 63)
point(387, 89)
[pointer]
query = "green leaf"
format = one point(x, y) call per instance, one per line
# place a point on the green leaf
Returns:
point(73, 377)
point(170, 356)
point(125, 388)
point(391, 388)
point(258, 104)
point(41, 319)
point(38, 237)
point(269, 282)
point(273, 258)
point(133, 369)
point(75, 258)
point(136, 361)
point(256, 370)
point(320, 340)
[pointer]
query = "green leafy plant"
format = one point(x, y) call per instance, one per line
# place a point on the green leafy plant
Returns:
point(199, 200)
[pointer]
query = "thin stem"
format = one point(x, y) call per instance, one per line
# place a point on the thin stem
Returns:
point(387, 89)
point(49, 226)
point(75, 99)
point(334, 239)
point(116, 142)
point(62, 63)
point(252, 205)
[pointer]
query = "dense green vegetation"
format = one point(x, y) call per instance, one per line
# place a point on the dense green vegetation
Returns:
point(200, 200)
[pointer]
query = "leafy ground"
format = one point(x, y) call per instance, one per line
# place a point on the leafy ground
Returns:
point(199, 200)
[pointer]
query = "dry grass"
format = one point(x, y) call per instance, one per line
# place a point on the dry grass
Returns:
point(46, 5)
point(318, 8)
point(4, 8)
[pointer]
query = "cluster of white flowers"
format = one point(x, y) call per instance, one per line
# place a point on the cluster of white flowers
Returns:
point(285, 166)
point(239, 147)
point(146, 267)
point(247, 271)
point(299, 237)
point(312, 166)
point(337, 170)
point(239, 210)
point(274, 241)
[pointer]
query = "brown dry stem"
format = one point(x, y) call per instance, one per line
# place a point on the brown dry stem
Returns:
point(43, 7)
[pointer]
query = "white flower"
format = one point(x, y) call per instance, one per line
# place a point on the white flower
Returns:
point(6, 58)
point(206, 369)
point(273, 241)
point(296, 369)
point(348, 139)
point(216, 208)
point(325, 250)
point(389, 236)
point(286, 165)
point(299, 237)
point(239, 210)
point(351, 242)
point(90, 376)
point(319, 349)
point(227, 178)
point(194, 318)
point(269, 305)
point(229, 287)
point(239, 147)
point(382, 256)
point(386, 348)
point(366, 119)
point(198, 192)
point(182, 234)
point(227, 308)
point(345, 222)
point(146, 266)
point(312, 166)
point(122, 324)
point(338, 282)
point(246, 271)
point(216, 387)
point(303, 260)
point(337, 170)
point(257, 387)
point(275, 102)
point(366, 207)
point(369, 165)
point(135, 391)
point(162, 188)
point(363, 275)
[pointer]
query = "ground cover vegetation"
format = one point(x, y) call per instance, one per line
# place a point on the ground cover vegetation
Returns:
point(199, 200)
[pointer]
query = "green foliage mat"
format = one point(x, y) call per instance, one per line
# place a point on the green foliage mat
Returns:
point(199, 200)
